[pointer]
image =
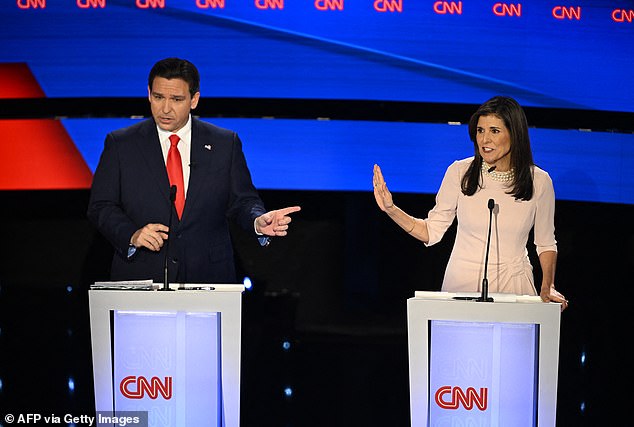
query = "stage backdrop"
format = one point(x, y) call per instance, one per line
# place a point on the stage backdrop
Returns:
point(543, 53)
point(577, 56)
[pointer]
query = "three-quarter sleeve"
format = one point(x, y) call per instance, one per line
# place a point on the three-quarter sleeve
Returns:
point(544, 231)
point(442, 215)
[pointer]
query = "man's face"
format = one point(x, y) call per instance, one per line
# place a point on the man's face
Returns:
point(171, 103)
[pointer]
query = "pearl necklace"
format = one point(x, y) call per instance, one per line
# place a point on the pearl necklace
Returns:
point(498, 176)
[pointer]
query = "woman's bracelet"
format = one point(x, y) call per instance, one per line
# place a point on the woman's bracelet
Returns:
point(413, 225)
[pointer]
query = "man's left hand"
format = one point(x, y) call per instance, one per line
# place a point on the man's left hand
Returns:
point(275, 223)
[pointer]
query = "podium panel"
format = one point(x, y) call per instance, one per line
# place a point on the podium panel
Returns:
point(482, 364)
point(175, 355)
point(159, 352)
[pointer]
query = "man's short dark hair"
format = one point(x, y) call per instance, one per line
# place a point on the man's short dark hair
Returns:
point(176, 68)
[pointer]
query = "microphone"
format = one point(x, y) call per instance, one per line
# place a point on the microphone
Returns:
point(491, 169)
point(484, 297)
point(166, 286)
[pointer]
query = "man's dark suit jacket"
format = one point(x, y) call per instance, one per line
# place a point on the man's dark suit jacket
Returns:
point(131, 189)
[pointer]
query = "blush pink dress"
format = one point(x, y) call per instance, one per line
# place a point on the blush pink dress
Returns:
point(509, 268)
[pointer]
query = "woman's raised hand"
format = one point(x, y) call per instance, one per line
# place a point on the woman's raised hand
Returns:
point(381, 193)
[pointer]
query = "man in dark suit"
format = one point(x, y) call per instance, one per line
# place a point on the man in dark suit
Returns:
point(130, 200)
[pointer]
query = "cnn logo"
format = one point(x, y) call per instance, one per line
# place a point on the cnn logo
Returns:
point(448, 397)
point(134, 387)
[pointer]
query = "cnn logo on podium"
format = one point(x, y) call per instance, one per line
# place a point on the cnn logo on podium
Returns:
point(134, 387)
point(448, 397)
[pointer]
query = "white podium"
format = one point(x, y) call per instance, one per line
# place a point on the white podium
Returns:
point(174, 354)
point(480, 363)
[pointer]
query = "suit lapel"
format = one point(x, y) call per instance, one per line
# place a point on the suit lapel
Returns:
point(199, 159)
point(150, 149)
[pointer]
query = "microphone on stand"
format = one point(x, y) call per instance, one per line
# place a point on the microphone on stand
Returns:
point(484, 297)
point(166, 286)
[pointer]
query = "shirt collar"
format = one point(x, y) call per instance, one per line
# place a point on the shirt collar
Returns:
point(183, 133)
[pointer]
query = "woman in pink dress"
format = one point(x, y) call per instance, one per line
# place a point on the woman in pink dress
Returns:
point(501, 169)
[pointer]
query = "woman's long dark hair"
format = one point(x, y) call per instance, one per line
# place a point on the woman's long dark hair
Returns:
point(512, 114)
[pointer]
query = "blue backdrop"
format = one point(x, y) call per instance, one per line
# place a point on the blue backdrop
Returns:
point(580, 56)
point(285, 154)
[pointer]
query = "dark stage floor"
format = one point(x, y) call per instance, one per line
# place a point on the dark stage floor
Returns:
point(352, 372)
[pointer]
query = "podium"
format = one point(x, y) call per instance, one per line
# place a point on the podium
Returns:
point(172, 355)
point(481, 363)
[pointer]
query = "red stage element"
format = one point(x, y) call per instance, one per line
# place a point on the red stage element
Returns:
point(36, 154)
point(18, 82)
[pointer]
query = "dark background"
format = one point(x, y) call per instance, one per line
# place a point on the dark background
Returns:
point(335, 289)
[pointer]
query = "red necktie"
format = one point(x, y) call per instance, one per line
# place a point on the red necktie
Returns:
point(175, 174)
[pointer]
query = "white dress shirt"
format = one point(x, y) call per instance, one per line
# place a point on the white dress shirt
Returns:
point(184, 146)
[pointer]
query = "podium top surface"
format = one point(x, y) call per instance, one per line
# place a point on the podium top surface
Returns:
point(148, 285)
point(195, 297)
point(497, 297)
point(464, 307)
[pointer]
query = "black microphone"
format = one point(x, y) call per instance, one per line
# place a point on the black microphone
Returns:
point(166, 286)
point(484, 297)
point(491, 169)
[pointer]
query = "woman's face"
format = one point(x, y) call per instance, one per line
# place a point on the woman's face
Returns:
point(494, 142)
